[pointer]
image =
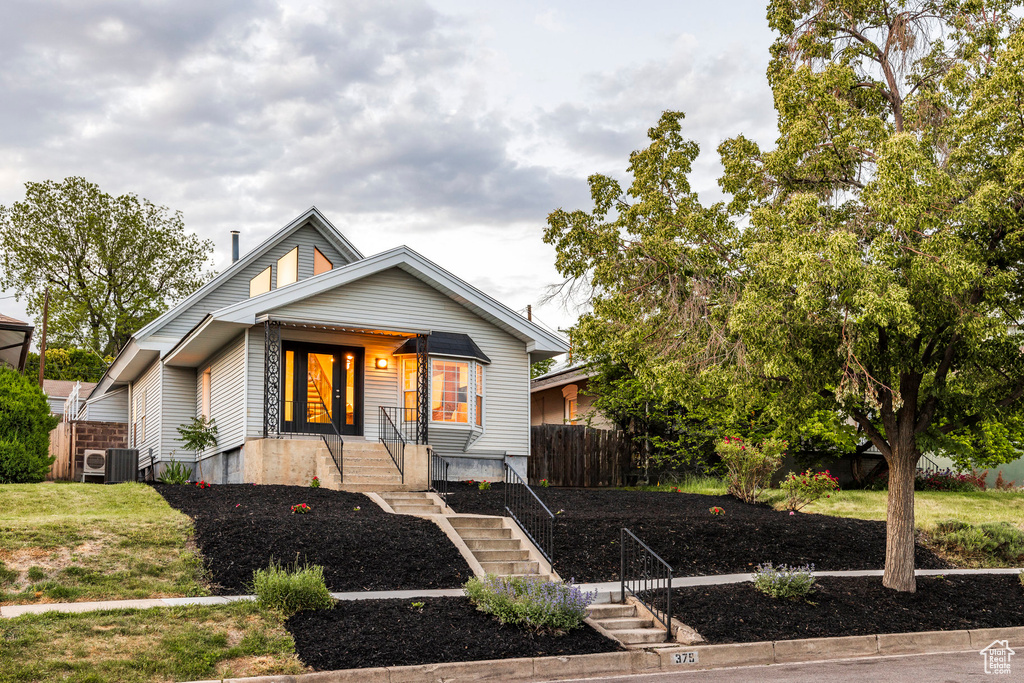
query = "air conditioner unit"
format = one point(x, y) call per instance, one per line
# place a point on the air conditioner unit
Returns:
point(94, 464)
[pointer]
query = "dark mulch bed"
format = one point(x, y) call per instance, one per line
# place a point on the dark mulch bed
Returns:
point(851, 606)
point(367, 549)
point(679, 527)
point(364, 633)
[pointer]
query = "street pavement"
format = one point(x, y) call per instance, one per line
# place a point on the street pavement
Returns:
point(951, 667)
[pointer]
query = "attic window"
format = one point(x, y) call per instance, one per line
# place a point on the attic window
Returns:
point(260, 284)
point(321, 264)
point(288, 268)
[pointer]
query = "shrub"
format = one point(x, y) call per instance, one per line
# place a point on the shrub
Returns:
point(802, 490)
point(291, 589)
point(545, 483)
point(750, 467)
point(25, 424)
point(783, 581)
point(202, 484)
point(991, 542)
point(315, 484)
point(947, 480)
point(484, 486)
point(530, 602)
point(174, 473)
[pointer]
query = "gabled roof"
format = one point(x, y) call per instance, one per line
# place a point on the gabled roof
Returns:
point(538, 339)
point(311, 216)
point(61, 388)
point(222, 325)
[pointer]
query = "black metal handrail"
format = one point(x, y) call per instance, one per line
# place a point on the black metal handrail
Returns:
point(529, 512)
point(404, 421)
point(439, 476)
point(647, 577)
point(312, 418)
point(393, 439)
point(926, 465)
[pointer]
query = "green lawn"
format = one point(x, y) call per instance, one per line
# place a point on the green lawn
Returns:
point(66, 542)
point(160, 644)
point(930, 506)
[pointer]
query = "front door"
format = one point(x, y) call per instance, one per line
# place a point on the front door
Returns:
point(322, 385)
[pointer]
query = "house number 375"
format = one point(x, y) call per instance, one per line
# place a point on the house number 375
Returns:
point(684, 657)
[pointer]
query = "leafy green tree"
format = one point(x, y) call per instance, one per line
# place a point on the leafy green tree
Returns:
point(877, 277)
point(112, 264)
point(541, 367)
point(25, 424)
point(68, 364)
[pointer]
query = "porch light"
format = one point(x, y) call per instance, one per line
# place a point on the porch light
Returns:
point(381, 364)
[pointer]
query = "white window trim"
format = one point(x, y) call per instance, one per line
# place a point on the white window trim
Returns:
point(471, 412)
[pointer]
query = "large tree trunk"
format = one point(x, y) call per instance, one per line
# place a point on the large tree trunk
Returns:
point(899, 530)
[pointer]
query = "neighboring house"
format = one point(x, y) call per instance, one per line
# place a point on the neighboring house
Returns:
point(560, 397)
point(15, 339)
point(304, 336)
point(58, 391)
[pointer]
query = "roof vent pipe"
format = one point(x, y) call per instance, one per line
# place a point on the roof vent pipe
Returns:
point(234, 246)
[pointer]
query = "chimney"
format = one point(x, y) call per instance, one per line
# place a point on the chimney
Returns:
point(234, 246)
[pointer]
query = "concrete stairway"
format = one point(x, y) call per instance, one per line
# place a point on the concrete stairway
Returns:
point(367, 465)
point(492, 543)
point(412, 503)
point(632, 627)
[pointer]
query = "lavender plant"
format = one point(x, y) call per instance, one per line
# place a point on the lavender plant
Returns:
point(784, 581)
point(530, 602)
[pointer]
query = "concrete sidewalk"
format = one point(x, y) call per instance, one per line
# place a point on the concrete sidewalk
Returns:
point(606, 592)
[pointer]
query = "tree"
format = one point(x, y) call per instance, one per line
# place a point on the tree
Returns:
point(877, 276)
point(25, 424)
point(541, 367)
point(82, 365)
point(112, 264)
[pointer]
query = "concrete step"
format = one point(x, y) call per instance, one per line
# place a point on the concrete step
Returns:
point(626, 623)
point(476, 544)
point(636, 636)
point(416, 509)
point(408, 495)
point(611, 611)
point(501, 555)
point(481, 534)
point(371, 469)
point(374, 476)
point(477, 522)
point(506, 568)
point(360, 487)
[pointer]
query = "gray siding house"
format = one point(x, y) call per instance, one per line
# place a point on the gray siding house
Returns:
point(312, 359)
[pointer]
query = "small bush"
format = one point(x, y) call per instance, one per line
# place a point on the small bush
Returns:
point(530, 602)
point(716, 510)
point(291, 589)
point(174, 473)
point(803, 489)
point(25, 424)
point(315, 484)
point(545, 483)
point(750, 467)
point(947, 480)
point(484, 486)
point(792, 583)
point(301, 509)
point(991, 542)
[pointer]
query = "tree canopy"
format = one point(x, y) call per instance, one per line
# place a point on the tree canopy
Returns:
point(112, 264)
point(82, 365)
point(864, 279)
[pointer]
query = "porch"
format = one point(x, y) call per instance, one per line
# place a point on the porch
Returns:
point(321, 386)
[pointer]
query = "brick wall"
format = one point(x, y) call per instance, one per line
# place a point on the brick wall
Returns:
point(95, 435)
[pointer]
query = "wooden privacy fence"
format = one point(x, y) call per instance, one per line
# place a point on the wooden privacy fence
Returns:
point(577, 455)
point(61, 440)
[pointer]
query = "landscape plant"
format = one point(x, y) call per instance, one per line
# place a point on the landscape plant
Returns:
point(803, 489)
point(716, 510)
point(988, 543)
point(302, 509)
point(484, 486)
point(315, 484)
point(749, 467)
point(947, 480)
point(291, 589)
point(531, 602)
point(175, 473)
point(25, 424)
point(783, 581)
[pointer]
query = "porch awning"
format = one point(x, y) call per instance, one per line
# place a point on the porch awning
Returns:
point(447, 344)
point(15, 337)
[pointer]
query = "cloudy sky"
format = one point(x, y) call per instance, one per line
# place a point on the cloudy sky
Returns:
point(452, 126)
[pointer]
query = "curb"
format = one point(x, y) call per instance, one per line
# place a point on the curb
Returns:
point(671, 659)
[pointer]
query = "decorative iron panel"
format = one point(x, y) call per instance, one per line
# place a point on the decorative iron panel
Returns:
point(422, 389)
point(272, 378)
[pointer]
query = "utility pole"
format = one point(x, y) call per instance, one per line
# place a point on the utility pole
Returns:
point(42, 342)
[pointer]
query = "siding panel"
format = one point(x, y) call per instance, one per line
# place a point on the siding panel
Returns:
point(112, 407)
point(178, 409)
point(146, 440)
point(227, 395)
